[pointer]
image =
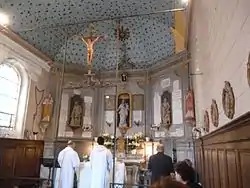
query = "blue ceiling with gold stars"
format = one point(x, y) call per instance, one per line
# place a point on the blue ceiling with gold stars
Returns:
point(47, 24)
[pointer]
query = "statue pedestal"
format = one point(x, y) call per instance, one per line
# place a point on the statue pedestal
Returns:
point(132, 163)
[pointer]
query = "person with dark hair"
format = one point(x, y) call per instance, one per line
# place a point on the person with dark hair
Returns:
point(100, 140)
point(186, 175)
point(160, 165)
point(101, 164)
point(189, 162)
point(168, 182)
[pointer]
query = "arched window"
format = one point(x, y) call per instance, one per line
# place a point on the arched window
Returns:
point(10, 88)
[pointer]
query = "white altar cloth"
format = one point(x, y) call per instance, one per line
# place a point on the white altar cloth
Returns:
point(85, 175)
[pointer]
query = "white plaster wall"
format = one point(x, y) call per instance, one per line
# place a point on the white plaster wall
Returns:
point(219, 45)
point(34, 72)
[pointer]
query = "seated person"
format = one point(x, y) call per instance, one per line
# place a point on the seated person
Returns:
point(189, 162)
point(186, 175)
point(168, 182)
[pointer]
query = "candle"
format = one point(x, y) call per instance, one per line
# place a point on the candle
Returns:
point(127, 145)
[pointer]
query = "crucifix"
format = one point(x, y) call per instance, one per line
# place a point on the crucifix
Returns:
point(90, 41)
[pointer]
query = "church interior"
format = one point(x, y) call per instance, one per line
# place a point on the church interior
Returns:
point(137, 73)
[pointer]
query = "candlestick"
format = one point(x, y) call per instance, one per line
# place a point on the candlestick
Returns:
point(127, 145)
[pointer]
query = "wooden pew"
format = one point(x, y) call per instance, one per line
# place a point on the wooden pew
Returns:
point(20, 162)
point(223, 156)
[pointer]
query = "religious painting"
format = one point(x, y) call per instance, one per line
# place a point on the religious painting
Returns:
point(47, 108)
point(228, 100)
point(124, 110)
point(166, 109)
point(138, 102)
point(47, 112)
point(214, 113)
point(248, 69)
point(189, 107)
point(206, 121)
point(75, 119)
point(109, 103)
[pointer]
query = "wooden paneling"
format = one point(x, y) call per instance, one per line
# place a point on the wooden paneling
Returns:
point(18, 159)
point(223, 156)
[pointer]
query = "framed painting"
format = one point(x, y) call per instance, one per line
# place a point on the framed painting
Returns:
point(109, 103)
point(138, 102)
point(124, 110)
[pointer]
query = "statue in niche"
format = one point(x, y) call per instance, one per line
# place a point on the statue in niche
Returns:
point(123, 111)
point(166, 118)
point(76, 115)
point(76, 112)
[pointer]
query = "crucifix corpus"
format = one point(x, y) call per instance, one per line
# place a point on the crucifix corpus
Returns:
point(90, 41)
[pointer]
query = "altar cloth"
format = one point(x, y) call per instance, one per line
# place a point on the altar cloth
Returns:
point(85, 175)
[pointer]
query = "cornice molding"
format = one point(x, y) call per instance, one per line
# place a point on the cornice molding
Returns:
point(159, 68)
point(33, 64)
point(21, 42)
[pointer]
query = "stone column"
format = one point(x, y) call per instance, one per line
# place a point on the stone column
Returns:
point(100, 111)
point(148, 108)
point(95, 114)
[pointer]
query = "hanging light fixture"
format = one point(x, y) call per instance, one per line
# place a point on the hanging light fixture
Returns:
point(185, 2)
point(4, 20)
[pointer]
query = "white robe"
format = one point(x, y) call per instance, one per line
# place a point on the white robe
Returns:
point(101, 165)
point(69, 162)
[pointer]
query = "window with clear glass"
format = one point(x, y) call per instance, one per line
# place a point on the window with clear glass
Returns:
point(10, 83)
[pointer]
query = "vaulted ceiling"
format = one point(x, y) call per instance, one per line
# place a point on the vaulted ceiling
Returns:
point(47, 23)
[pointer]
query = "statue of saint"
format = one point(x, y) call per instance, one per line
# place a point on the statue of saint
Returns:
point(123, 111)
point(76, 115)
point(189, 106)
point(47, 108)
point(165, 113)
point(90, 41)
point(228, 100)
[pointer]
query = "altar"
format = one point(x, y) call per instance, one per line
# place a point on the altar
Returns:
point(85, 175)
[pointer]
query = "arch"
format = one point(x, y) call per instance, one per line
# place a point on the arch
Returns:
point(13, 98)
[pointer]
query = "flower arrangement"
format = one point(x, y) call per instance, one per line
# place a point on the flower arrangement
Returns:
point(139, 137)
point(132, 142)
point(135, 141)
point(109, 141)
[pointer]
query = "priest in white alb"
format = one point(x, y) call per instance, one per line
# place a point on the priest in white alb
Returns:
point(69, 162)
point(101, 165)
